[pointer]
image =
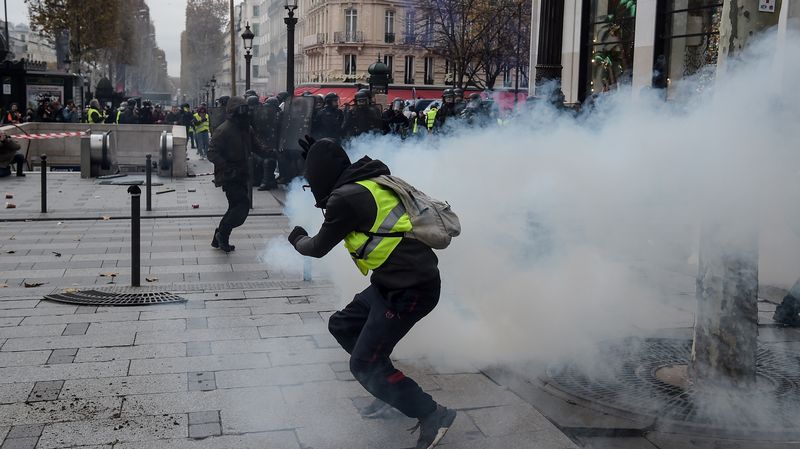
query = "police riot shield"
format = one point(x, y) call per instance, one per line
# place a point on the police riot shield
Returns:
point(298, 115)
point(265, 123)
point(217, 116)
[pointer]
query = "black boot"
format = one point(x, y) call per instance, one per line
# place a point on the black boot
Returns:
point(20, 164)
point(220, 241)
point(787, 312)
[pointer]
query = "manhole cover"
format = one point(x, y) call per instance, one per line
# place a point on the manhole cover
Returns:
point(98, 298)
point(636, 377)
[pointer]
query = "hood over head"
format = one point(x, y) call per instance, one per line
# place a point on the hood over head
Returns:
point(326, 160)
point(328, 168)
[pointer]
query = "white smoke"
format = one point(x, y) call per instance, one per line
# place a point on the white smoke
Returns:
point(582, 229)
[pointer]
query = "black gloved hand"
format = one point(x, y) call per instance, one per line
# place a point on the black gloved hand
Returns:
point(306, 144)
point(296, 233)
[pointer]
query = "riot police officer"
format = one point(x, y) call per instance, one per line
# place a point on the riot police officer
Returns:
point(231, 147)
point(460, 104)
point(328, 120)
point(447, 110)
point(268, 131)
point(395, 121)
point(363, 118)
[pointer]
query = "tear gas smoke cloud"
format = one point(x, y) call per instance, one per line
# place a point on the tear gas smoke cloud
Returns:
point(582, 229)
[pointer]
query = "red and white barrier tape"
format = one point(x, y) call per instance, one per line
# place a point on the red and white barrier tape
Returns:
point(47, 135)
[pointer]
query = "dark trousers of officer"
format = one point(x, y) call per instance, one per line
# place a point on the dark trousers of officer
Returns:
point(790, 306)
point(369, 328)
point(17, 159)
point(238, 207)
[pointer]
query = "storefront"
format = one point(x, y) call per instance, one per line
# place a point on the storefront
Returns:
point(639, 44)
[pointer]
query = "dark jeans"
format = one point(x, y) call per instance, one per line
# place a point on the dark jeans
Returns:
point(790, 306)
point(17, 159)
point(369, 328)
point(238, 207)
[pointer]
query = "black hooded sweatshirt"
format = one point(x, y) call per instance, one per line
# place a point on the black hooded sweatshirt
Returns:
point(351, 207)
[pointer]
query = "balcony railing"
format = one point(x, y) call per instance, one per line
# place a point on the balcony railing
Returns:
point(410, 39)
point(348, 37)
point(314, 39)
point(388, 38)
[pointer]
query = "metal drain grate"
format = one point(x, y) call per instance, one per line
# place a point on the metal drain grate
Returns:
point(98, 298)
point(627, 383)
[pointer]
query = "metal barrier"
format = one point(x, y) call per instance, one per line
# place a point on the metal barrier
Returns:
point(165, 162)
point(98, 157)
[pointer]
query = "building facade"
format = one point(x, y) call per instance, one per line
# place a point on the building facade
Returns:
point(598, 46)
point(342, 39)
point(31, 46)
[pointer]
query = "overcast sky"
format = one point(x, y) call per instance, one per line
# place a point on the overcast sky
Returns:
point(169, 17)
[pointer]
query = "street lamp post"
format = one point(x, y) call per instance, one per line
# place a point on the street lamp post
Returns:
point(247, 37)
point(290, 22)
point(207, 87)
point(213, 89)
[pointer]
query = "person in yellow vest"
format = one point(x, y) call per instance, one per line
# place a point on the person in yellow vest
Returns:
point(430, 118)
point(201, 128)
point(404, 286)
point(93, 115)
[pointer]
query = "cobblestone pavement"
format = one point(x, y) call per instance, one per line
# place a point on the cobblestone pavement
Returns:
point(246, 362)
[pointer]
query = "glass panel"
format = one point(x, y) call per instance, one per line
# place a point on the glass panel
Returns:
point(690, 43)
point(610, 44)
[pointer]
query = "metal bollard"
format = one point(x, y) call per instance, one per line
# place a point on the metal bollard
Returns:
point(44, 183)
point(148, 176)
point(136, 194)
point(307, 269)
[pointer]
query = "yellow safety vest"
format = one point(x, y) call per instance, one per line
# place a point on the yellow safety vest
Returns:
point(431, 117)
point(201, 127)
point(371, 251)
point(89, 115)
point(119, 114)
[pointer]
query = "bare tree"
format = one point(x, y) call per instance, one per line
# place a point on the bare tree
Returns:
point(202, 43)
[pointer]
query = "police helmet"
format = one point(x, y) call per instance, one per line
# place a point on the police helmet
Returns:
point(283, 96)
point(223, 100)
point(475, 96)
point(362, 97)
point(447, 95)
point(331, 99)
point(131, 102)
point(398, 104)
point(250, 93)
point(458, 93)
point(252, 101)
point(146, 103)
point(273, 102)
point(237, 106)
point(307, 93)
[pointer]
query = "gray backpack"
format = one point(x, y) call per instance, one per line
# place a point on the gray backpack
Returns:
point(434, 222)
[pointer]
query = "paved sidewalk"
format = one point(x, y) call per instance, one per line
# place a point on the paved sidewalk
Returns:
point(247, 362)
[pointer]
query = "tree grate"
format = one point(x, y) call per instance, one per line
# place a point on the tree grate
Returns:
point(98, 298)
point(626, 383)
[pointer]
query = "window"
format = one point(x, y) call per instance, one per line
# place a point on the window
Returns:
point(608, 48)
point(389, 61)
point(350, 24)
point(255, 28)
point(687, 43)
point(255, 51)
point(429, 31)
point(410, 24)
point(389, 22)
point(255, 11)
point(255, 71)
point(408, 78)
point(350, 65)
point(507, 76)
point(428, 70)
